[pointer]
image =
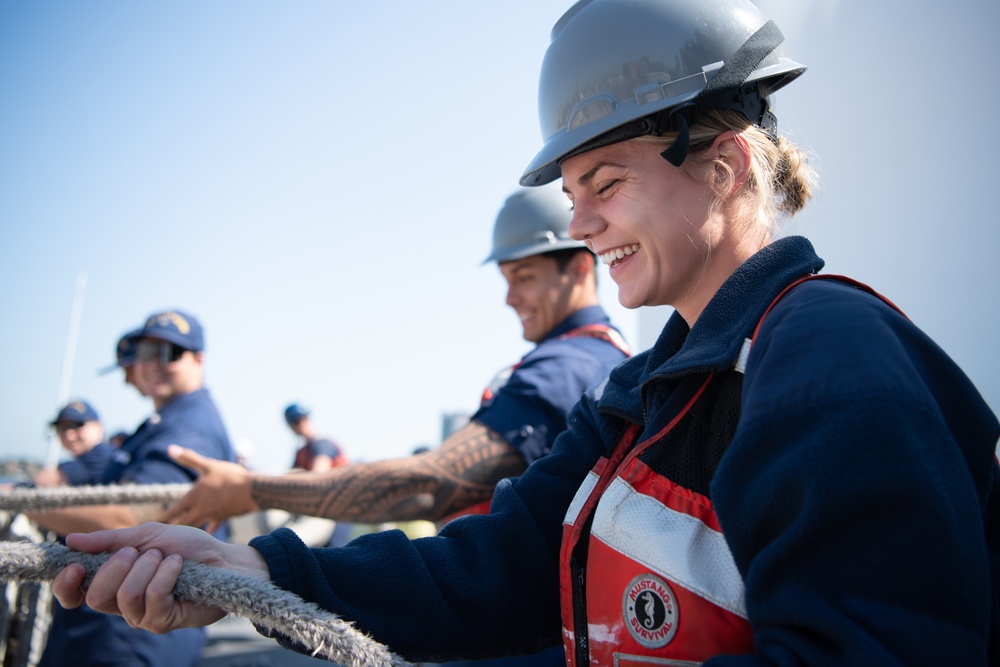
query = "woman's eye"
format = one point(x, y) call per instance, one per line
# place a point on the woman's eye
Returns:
point(607, 187)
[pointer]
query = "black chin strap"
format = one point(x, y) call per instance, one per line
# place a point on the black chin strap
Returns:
point(726, 90)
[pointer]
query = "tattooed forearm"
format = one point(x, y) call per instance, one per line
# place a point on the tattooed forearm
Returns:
point(460, 473)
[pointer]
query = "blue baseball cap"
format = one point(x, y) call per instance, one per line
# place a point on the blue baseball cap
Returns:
point(174, 326)
point(76, 411)
point(124, 352)
point(294, 413)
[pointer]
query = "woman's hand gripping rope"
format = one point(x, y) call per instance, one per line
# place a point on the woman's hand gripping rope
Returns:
point(161, 578)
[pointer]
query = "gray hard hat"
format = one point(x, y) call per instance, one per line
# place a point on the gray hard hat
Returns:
point(618, 69)
point(532, 221)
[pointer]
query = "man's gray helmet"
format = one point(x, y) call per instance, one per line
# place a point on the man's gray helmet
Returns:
point(532, 221)
point(618, 69)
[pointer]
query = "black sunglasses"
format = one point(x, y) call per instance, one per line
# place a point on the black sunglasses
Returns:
point(64, 427)
point(158, 350)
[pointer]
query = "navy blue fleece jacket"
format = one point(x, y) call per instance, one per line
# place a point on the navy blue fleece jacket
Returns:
point(859, 496)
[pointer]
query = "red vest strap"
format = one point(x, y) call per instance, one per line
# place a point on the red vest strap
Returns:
point(602, 332)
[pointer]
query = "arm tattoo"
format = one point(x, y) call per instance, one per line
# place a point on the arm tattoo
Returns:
point(459, 474)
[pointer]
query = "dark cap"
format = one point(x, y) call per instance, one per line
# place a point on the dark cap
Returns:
point(294, 413)
point(124, 352)
point(76, 411)
point(174, 326)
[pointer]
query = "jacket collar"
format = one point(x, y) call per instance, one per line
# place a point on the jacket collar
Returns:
point(717, 337)
point(581, 318)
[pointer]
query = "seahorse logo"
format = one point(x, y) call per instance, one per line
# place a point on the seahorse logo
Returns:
point(649, 608)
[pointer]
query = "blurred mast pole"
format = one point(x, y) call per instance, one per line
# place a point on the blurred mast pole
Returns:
point(66, 376)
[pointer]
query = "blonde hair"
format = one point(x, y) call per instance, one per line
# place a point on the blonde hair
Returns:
point(780, 182)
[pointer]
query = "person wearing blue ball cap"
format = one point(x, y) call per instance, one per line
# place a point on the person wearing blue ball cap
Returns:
point(165, 360)
point(317, 454)
point(80, 432)
point(125, 359)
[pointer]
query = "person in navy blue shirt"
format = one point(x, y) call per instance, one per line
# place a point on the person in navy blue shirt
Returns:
point(80, 433)
point(125, 359)
point(167, 366)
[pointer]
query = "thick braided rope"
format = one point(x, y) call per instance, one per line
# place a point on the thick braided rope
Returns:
point(27, 500)
point(262, 603)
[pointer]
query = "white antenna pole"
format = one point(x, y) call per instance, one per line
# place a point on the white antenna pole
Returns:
point(66, 376)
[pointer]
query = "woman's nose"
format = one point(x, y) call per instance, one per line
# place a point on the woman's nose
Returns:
point(584, 224)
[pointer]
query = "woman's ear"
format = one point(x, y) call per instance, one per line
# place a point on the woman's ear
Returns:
point(731, 159)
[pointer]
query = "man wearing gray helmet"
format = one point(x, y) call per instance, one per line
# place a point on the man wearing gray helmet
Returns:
point(552, 287)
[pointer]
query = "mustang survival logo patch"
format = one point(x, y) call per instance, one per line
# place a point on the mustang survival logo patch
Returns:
point(649, 608)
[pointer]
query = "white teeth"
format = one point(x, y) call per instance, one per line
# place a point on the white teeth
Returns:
point(611, 256)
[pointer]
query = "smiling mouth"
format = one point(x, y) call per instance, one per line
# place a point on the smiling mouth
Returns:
point(612, 256)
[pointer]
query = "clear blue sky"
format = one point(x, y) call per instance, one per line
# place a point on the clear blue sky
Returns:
point(316, 181)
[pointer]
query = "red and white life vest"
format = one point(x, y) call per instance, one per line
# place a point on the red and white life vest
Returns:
point(646, 572)
point(647, 577)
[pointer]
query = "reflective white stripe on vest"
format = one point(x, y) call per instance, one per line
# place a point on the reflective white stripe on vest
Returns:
point(580, 499)
point(674, 545)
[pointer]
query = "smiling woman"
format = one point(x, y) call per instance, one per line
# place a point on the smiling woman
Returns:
point(718, 451)
point(723, 202)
